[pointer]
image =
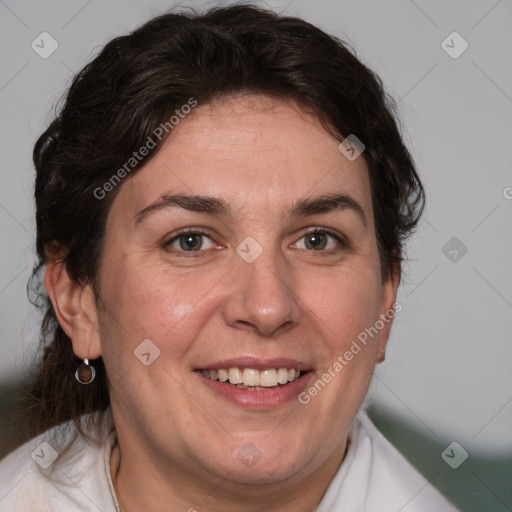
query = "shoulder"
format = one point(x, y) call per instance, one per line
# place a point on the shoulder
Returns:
point(394, 476)
point(375, 477)
point(60, 470)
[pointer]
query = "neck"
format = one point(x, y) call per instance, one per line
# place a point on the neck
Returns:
point(148, 487)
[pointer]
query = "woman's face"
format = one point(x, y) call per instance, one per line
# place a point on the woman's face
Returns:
point(244, 249)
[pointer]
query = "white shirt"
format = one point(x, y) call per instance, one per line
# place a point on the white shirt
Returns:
point(373, 477)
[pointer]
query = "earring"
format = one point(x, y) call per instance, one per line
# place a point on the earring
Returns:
point(85, 373)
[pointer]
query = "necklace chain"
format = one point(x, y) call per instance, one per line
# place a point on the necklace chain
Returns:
point(114, 489)
point(115, 494)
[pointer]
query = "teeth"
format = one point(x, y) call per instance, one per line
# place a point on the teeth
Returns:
point(235, 376)
point(268, 378)
point(250, 378)
point(282, 376)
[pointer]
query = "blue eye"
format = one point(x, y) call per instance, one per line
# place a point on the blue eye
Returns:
point(191, 242)
point(195, 241)
point(318, 241)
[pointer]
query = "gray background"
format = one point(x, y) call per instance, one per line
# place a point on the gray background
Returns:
point(447, 375)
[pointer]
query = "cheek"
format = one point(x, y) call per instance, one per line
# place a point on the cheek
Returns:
point(149, 302)
point(181, 309)
point(346, 302)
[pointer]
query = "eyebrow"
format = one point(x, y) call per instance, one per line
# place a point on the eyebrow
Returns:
point(214, 206)
point(327, 203)
point(201, 204)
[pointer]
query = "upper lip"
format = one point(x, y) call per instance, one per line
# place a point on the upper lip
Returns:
point(257, 363)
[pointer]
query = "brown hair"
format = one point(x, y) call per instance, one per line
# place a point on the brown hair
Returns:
point(136, 83)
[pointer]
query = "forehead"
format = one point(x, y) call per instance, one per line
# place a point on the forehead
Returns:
point(259, 154)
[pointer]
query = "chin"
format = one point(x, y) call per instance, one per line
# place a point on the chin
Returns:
point(260, 463)
point(261, 474)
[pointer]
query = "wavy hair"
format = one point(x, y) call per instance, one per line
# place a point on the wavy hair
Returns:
point(136, 83)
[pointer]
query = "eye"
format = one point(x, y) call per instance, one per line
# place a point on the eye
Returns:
point(192, 241)
point(319, 241)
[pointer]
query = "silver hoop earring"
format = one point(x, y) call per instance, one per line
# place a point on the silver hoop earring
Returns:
point(85, 373)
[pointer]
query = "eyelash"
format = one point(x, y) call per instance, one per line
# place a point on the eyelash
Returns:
point(341, 240)
point(187, 232)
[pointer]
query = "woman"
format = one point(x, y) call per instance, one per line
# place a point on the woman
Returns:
point(221, 208)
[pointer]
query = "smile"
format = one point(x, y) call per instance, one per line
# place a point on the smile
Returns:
point(255, 384)
point(253, 379)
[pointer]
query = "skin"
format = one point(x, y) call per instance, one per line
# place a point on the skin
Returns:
point(178, 440)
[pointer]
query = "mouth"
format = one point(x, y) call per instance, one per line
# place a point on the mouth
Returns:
point(253, 379)
point(254, 384)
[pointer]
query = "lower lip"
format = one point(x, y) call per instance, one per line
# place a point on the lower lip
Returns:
point(258, 399)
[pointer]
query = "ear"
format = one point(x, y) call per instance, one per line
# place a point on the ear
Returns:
point(75, 308)
point(388, 308)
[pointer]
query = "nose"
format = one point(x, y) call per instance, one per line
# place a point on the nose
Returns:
point(262, 297)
